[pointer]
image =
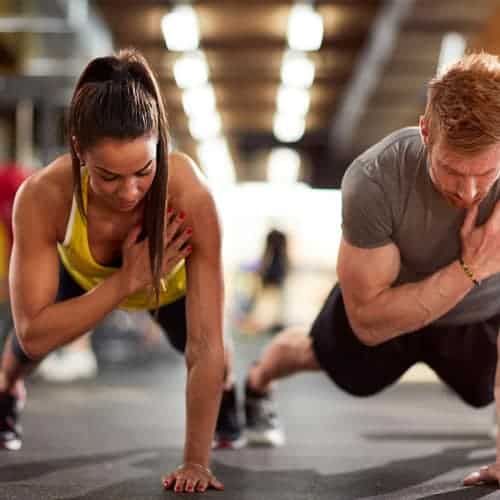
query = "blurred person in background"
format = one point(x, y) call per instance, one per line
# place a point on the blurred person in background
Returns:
point(267, 311)
point(12, 175)
point(419, 261)
point(93, 232)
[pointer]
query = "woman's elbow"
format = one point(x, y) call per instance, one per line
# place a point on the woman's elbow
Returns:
point(28, 345)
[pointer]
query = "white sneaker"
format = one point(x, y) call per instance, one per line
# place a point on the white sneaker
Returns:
point(68, 365)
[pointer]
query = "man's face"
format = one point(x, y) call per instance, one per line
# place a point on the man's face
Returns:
point(463, 180)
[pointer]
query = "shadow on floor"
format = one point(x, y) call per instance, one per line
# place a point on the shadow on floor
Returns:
point(135, 475)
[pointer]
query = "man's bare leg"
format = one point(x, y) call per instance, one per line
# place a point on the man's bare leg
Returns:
point(290, 352)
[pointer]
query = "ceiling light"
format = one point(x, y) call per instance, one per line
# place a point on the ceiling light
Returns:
point(191, 70)
point(305, 28)
point(288, 128)
point(199, 100)
point(297, 70)
point(180, 29)
point(452, 49)
point(204, 127)
point(293, 101)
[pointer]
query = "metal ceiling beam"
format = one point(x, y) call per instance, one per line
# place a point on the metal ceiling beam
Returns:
point(367, 74)
point(55, 90)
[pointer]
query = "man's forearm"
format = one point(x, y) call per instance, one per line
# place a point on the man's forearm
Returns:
point(204, 389)
point(412, 306)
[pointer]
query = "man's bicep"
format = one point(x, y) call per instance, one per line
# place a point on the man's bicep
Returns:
point(366, 272)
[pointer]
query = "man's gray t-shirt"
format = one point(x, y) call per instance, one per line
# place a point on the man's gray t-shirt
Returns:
point(388, 197)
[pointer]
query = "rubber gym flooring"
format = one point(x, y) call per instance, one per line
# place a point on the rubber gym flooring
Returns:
point(113, 437)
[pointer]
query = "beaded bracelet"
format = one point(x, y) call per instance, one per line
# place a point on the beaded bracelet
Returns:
point(199, 466)
point(468, 272)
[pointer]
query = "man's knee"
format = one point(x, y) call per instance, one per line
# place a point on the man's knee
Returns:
point(297, 344)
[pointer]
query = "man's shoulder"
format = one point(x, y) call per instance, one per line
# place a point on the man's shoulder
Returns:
point(401, 145)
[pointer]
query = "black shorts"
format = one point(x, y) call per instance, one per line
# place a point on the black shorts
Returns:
point(463, 356)
point(171, 317)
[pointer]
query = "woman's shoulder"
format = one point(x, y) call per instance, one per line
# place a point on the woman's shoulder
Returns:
point(185, 177)
point(49, 190)
point(53, 183)
point(188, 188)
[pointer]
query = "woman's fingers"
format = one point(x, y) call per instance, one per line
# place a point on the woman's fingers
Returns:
point(486, 474)
point(180, 239)
point(172, 258)
point(215, 483)
point(132, 236)
point(173, 225)
point(191, 478)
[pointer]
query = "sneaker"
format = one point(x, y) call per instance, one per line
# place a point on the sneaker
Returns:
point(68, 365)
point(262, 424)
point(10, 428)
point(228, 430)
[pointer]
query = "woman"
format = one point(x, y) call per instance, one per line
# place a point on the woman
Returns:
point(93, 231)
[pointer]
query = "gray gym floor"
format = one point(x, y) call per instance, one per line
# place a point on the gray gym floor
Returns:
point(112, 438)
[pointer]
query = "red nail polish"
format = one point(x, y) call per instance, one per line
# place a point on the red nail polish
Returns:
point(189, 230)
point(182, 215)
point(189, 248)
point(169, 211)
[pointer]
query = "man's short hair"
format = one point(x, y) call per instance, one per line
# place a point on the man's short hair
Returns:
point(463, 104)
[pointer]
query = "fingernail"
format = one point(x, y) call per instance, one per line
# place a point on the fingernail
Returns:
point(189, 230)
point(189, 248)
point(170, 210)
point(182, 215)
point(474, 475)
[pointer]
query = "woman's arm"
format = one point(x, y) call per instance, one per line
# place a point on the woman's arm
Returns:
point(41, 324)
point(204, 348)
point(204, 309)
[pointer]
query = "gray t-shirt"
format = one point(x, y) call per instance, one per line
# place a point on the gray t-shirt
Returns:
point(388, 196)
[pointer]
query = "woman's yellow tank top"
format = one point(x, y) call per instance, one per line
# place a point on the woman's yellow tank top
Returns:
point(77, 259)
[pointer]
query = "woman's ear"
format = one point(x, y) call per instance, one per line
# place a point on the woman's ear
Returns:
point(77, 150)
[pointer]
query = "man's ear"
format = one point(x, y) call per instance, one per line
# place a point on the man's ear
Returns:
point(424, 130)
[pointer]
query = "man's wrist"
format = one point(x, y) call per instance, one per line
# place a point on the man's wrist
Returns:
point(469, 272)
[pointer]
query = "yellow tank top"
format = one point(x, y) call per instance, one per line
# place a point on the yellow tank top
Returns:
point(77, 259)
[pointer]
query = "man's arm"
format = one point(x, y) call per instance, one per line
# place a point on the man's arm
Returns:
point(378, 312)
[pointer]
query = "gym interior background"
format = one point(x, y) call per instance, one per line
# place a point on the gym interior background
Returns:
point(273, 99)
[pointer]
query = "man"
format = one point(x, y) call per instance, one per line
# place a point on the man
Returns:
point(419, 260)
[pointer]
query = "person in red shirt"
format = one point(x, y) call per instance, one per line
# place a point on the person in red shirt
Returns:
point(12, 175)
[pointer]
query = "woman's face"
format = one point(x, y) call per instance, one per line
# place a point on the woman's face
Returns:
point(122, 171)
